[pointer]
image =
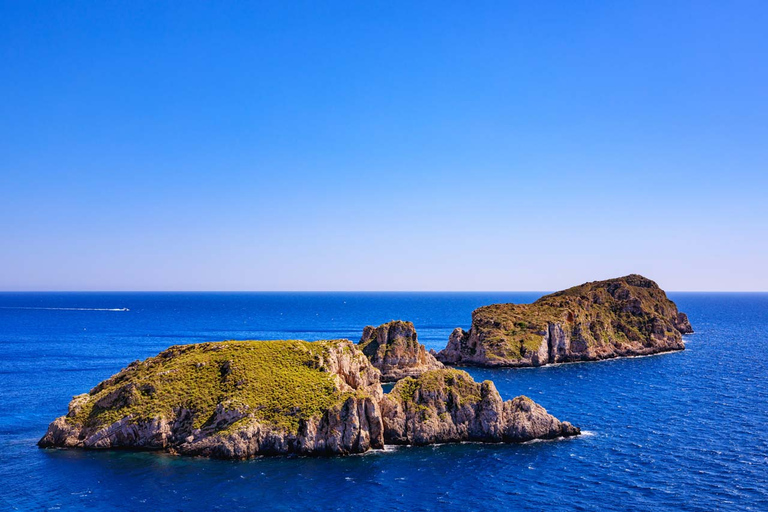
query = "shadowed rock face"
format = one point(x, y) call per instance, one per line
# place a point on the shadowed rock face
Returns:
point(238, 399)
point(394, 349)
point(443, 406)
point(627, 316)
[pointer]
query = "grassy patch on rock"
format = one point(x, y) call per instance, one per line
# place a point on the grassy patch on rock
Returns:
point(631, 309)
point(437, 383)
point(277, 382)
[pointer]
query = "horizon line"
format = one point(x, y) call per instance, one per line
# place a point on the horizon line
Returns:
point(347, 291)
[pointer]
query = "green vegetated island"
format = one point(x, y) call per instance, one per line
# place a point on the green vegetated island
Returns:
point(626, 316)
point(239, 399)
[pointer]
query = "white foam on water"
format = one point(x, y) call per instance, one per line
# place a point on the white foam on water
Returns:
point(66, 309)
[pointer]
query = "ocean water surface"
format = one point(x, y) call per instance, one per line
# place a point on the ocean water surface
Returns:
point(680, 431)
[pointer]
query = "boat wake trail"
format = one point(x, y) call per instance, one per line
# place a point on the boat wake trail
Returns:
point(66, 309)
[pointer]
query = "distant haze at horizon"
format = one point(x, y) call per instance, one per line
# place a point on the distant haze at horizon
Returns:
point(342, 291)
point(344, 147)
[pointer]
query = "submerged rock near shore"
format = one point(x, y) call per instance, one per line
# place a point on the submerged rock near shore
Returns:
point(394, 349)
point(239, 399)
point(444, 406)
point(626, 316)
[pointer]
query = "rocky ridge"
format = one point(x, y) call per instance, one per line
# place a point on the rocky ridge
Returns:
point(626, 316)
point(394, 349)
point(447, 405)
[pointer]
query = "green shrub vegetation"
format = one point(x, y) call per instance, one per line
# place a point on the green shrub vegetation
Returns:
point(414, 391)
point(278, 382)
point(399, 335)
point(629, 309)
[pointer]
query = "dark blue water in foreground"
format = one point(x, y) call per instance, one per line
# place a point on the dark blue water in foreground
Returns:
point(687, 430)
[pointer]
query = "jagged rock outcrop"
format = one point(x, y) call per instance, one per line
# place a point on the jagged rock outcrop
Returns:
point(394, 349)
point(443, 406)
point(627, 316)
point(233, 400)
point(239, 399)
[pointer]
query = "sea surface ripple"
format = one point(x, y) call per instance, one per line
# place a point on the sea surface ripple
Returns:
point(680, 431)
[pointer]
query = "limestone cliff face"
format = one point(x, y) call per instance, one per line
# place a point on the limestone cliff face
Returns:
point(233, 400)
point(626, 316)
point(394, 349)
point(443, 406)
point(352, 427)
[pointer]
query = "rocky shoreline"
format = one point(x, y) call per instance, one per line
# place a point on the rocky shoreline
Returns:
point(448, 406)
point(240, 399)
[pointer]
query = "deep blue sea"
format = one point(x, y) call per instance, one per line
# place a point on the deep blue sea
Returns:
point(680, 431)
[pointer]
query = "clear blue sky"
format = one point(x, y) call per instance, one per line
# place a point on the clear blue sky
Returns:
point(382, 145)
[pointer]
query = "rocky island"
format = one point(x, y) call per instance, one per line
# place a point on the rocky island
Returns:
point(233, 399)
point(626, 316)
point(239, 399)
point(394, 349)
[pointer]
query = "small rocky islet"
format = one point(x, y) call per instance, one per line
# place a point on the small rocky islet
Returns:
point(395, 350)
point(240, 399)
